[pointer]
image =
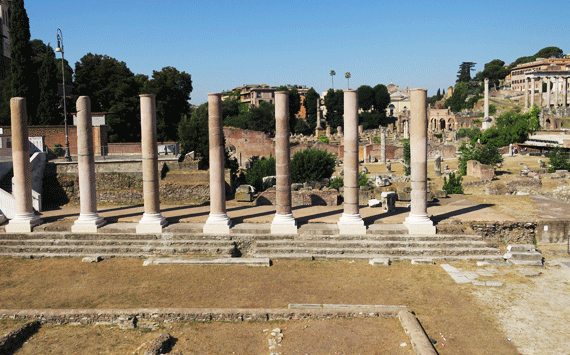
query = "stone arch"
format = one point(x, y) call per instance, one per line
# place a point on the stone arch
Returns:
point(451, 124)
point(442, 124)
point(548, 123)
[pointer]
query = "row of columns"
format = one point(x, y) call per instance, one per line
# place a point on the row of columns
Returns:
point(218, 221)
point(560, 91)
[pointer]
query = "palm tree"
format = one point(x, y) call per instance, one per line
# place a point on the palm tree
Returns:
point(333, 73)
point(347, 76)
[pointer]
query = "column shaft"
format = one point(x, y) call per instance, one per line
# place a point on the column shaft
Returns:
point(24, 218)
point(218, 221)
point(88, 220)
point(548, 92)
point(283, 222)
point(382, 144)
point(418, 221)
point(486, 107)
point(565, 92)
point(525, 92)
point(351, 222)
point(556, 89)
point(152, 220)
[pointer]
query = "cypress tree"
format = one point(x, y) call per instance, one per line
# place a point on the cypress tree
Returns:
point(48, 112)
point(20, 50)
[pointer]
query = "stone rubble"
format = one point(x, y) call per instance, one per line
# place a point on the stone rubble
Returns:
point(274, 339)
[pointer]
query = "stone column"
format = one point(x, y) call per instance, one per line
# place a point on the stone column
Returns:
point(24, 217)
point(565, 92)
point(532, 84)
point(540, 99)
point(556, 89)
point(525, 92)
point(339, 131)
point(406, 129)
point(328, 131)
point(418, 221)
point(318, 113)
point(383, 145)
point(283, 222)
point(218, 221)
point(89, 221)
point(548, 92)
point(152, 220)
point(486, 107)
point(351, 222)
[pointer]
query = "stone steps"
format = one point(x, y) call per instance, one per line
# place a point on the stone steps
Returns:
point(115, 242)
point(392, 237)
point(117, 249)
point(376, 251)
point(310, 256)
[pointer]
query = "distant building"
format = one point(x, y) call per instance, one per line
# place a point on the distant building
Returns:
point(399, 101)
point(4, 38)
point(519, 73)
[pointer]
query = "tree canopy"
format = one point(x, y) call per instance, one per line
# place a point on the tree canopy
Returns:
point(545, 52)
point(464, 72)
point(48, 112)
point(334, 102)
point(495, 71)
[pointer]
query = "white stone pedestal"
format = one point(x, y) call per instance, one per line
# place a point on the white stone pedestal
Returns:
point(284, 224)
point(351, 224)
point(23, 223)
point(88, 223)
point(419, 225)
point(217, 224)
point(151, 223)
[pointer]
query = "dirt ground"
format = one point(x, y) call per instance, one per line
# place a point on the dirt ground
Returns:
point(441, 305)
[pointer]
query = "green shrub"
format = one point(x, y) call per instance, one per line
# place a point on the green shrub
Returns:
point(323, 139)
point(438, 135)
point(260, 169)
point(377, 140)
point(338, 182)
point(362, 179)
point(558, 160)
point(484, 154)
point(471, 133)
point(453, 186)
point(57, 150)
point(312, 165)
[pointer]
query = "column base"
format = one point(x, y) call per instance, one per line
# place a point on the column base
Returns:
point(419, 225)
point(151, 223)
point(351, 224)
point(284, 224)
point(88, 223)
point(217, 224)
point(23, 223)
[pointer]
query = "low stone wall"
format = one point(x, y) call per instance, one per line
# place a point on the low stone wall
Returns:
point(481, 171)
point(301, 198)
point(495, 233)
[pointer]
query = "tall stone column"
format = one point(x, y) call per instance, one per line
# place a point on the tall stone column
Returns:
point(351, 222)
point(532, 84)
point(486, 107)
point(24, 217)
point(548, 92)
point(382, 145)
point(556, 89)
point(565, 91)
point(283, 222)
point(406, 129)
point(218, 221)
point(152, 220)
point(418, 221)
point(525, 92)
point(89, 221)
point(540, 99)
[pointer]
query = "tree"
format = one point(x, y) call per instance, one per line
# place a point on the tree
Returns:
point(382, 98)
point(48, 112)
point(495, 71)
point(347, 76)
point(172, 89)
point(334, 102)
point(484, 154)
point(464, 73)
point(20, 50)
point(333, 73)
point(546, 52)
point(457, 100)
point(366, 97)
point(510, 127)
point(193, 133)
point(112, 88)
point(453, 185)
point(310, 103)
point(312, 165)
point(558, 160)
point(260, 169)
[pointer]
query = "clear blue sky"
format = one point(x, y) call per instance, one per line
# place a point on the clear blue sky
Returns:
point(224, 44)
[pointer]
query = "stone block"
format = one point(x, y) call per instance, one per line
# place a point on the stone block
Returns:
point(481, 171)
point(440, 194)
point(244, 196)
point(380, 261)
point(92, 259)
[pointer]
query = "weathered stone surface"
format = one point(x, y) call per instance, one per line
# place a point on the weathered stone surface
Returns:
point(244, 196)
point(481, 171)
point(91, 259)
point(161, 345)
point(325, 197)
point(14, 339)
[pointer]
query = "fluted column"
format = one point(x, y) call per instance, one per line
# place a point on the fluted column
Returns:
point(89, 221)
point(532, 84)
point(556, 89)
point(152, 220)
point(548, 92)
point(382, 145)
point(24, 217)
point(565, 91)
point(218, 221)
point(418, 221)
point(525, 92)
point(283, 222)
point(351, 222)
point(486, 107)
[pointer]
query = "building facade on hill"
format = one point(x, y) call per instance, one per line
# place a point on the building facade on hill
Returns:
point(4, 38)
point(518, 74)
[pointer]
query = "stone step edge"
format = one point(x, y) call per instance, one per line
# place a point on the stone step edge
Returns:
point(264, 262)
point(309, 256)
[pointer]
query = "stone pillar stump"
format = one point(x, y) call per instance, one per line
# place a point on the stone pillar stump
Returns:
point(418, 221)
point(89, 221)
point(283, 222)
point(351, 222)
point(383, 145)
point(152, 220)
point(218, 221)
point(24, 217)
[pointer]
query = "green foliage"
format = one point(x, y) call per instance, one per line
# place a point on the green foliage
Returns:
point(453, 186)
point(366, 97)
point(294, 105)
point(193, 133)
point(492, 109)
point(438, 135)
point(546, 52)
point(558, 160)
point(312, 165)
point(323, 139)
point(362, 179)
point(172, 89)
point(464, 72)
point(511, 127)
point(407, 158)
point(382, 98)
point(495, 71)
point(310, 104)
point(336, 183)
point(260, 169)
point(260, 118)
point(334, 101)
point(377, 140)
point(48, 112)
point(485, 154)
point(58, 150)
point(471, 133)
point(20, 50)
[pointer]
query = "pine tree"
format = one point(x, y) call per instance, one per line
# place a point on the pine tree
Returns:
point(48, 112)
point(20, 49)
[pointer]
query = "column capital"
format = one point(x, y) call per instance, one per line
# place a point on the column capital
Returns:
point(147, 95)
